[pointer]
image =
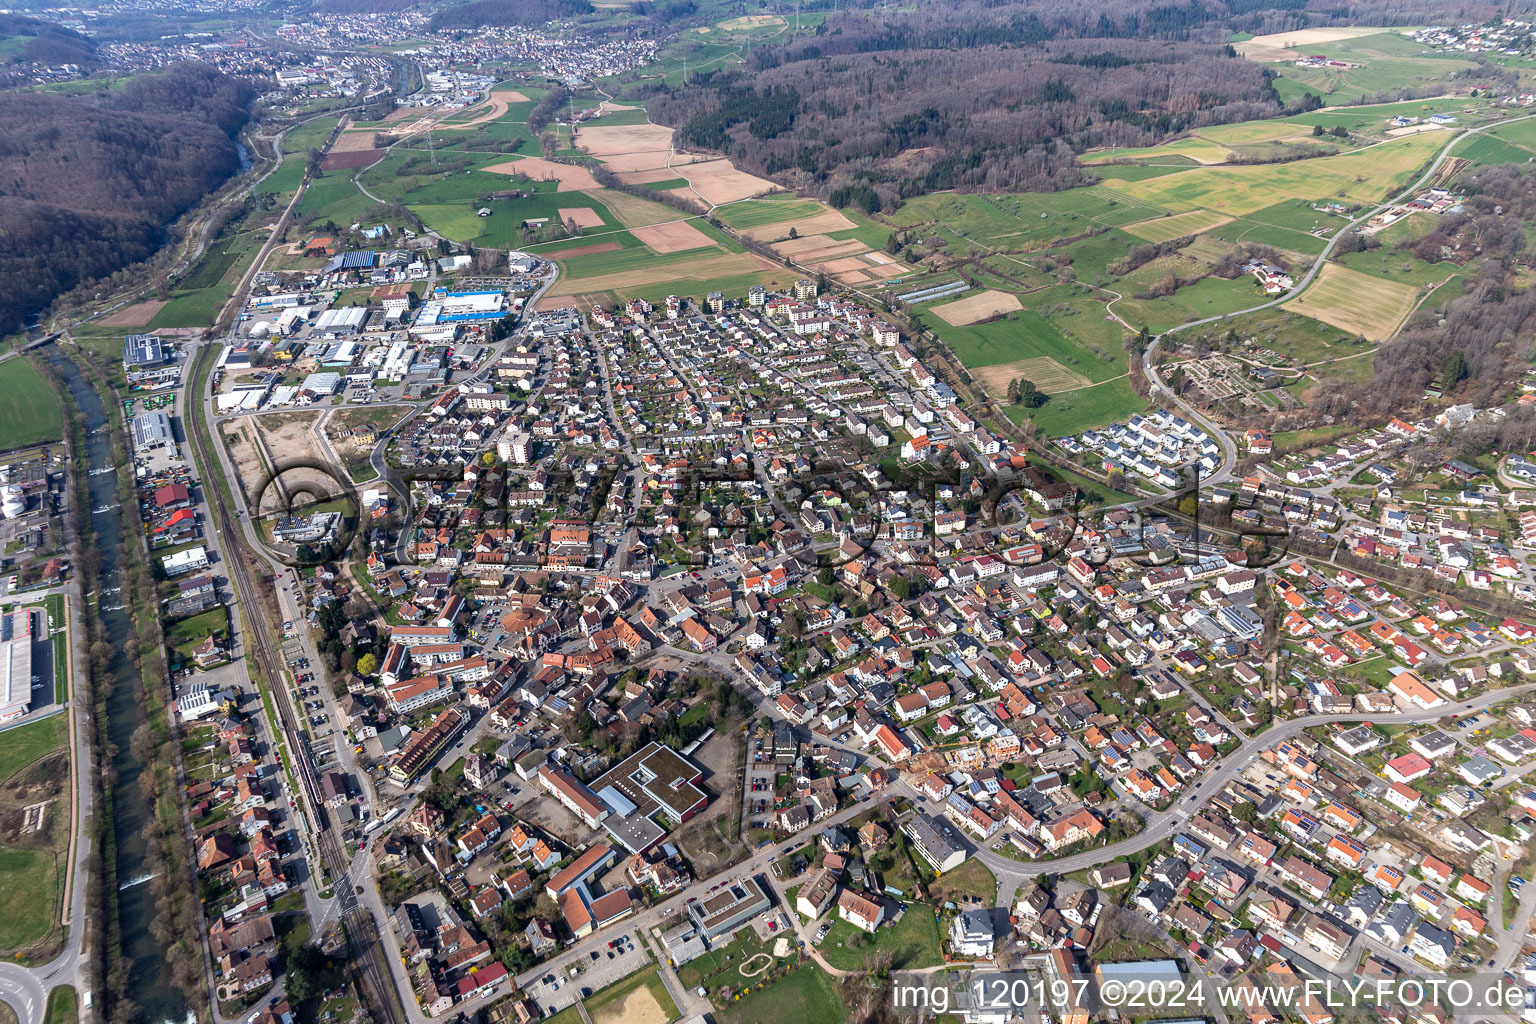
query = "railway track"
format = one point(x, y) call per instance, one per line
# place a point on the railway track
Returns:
point(366, 951)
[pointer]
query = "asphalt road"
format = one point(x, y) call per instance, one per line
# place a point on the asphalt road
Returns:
point(1161, 824)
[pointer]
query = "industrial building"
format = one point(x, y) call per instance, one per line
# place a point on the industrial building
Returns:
point(345, 320)
point(143, 354)
point(152, 432)
point(15, 664)
point(324, 383)
point(183, 562)
point(462, 307)
point(200, 700)
point(362, 259)
point(306, 529)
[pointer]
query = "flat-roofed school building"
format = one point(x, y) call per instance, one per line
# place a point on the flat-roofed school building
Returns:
point(650, 792)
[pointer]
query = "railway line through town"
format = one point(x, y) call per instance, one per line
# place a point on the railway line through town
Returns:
point(361, 930)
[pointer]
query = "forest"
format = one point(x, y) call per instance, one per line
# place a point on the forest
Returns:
point(874, 106)
point(505, 12)
point(90, 183)
point(42, 42)
point(968, 94)
point(1476, 344)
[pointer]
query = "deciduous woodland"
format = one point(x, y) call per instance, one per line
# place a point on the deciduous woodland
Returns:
point(1482, 338)
point(89, 183)
point(875, 107)
point(44, 43)
point(506, 12)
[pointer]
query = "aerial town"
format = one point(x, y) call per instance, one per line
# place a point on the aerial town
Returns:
point(608, 586)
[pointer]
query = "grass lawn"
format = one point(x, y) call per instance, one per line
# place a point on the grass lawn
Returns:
point(1197, 149)
point(285, 179)
point(503, 229)
point(805, 996)
point(1072, 412)
point(28, 884)
point(719, 966)
point(29, 411)
point(63, 1006)
point(1023, 334)
point(21, 746)
point(196, 628)
point(1136, 172)
point(1290, 334)
point(333, 197)
point(196, 308)
point(1207, 297)
point(1091, 487)
point(305, 137)
point(972, 878)
point(912, 943)
point(1119, 948)
point(1023, 220)
point(1302, 439)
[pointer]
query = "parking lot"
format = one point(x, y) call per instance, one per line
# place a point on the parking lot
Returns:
point(557, 988)
point(757, 790)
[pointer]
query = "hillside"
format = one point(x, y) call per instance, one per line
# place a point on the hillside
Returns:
point(89, 185)
point(874, 106)
point(506, 12)
point(25, 40)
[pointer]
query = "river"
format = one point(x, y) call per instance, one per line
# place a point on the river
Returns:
point(149, 976)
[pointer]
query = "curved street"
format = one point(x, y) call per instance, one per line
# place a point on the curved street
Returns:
point(1154, 378)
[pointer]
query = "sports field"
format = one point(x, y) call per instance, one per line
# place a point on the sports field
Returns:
point(1368, 176)
point(642, 999)
point(29, 410)
point(1356, 302)
point(1163, 229)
